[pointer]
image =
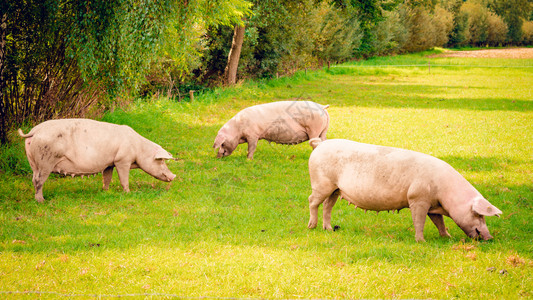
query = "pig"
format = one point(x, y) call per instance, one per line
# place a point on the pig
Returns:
point(382, 178)
point(86, 147)
point(282, 122)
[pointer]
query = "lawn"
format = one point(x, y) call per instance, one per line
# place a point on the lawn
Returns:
point(238, 228)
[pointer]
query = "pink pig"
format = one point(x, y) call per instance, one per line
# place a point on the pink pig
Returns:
point(384, 178)
point(86, 147)
point(283, 122)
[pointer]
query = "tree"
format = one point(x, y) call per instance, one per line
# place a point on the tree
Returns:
point(513, 13)
point(369, 13)
point(60, 57)
point(3, 26)
point(497, 30)
point(230, 73)
point(477, 22)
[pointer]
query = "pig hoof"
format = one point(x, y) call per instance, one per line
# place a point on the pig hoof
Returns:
point(420, 240)
point(311, 225)
point(336, 227)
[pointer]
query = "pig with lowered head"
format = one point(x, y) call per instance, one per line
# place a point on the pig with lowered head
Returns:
point(282, 122)
point(384, 178)
point(86, 147)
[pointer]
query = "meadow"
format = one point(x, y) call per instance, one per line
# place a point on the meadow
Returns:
point(235, 228)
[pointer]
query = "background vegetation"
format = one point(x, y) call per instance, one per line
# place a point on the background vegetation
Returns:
point(81, 58)
point(237, 228)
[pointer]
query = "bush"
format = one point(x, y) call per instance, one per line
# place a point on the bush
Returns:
point(496, 31)
point(420, 27)
point(389, 35)
point(460, 34)
point(338, 34)
point(527, 33)
point(477, 22)
point(443, 24)
point(13, 159)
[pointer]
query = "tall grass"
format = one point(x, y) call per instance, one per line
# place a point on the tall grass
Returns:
point(237, 228)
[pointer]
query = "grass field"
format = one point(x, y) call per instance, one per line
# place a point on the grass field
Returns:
point(238, 228)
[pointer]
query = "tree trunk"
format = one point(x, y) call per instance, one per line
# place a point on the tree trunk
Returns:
point(230, 73)
point(3, 115)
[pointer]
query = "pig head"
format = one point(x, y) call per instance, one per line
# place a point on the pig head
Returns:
point(282, 122)
point(384, 178)
point(79, 147)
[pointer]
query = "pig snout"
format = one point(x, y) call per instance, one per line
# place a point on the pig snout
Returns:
point(168, 177)
point(480, 233)
point(477, 231)
point(223, 152)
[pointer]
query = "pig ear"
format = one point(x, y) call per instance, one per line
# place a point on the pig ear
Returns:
point(218, 141)
point(162, 154)
point(484, 208)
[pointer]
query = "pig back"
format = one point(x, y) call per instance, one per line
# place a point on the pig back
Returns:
point(376, 177)
point(83, 145)
point(287, 122)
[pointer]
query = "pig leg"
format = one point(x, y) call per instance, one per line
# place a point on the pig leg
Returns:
point(328, 206)
point(252, 144)
point(323, 134)
point(317, 197)
point(438, 220)
point(39, 177)
point(419, 210)
point(107, 174)
point(123, 171)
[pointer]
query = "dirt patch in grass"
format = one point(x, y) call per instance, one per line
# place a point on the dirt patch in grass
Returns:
point(491, 53)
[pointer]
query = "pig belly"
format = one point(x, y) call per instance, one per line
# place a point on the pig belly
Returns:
point(281, 133)
point(371, 196)
point(68, 167)
point(83, 160)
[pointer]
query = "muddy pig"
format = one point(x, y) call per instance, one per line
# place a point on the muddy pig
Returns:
point(79, 147)
point(384, 178)
point(282, 122)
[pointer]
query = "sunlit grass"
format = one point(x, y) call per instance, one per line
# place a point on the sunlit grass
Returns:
point(237, 228)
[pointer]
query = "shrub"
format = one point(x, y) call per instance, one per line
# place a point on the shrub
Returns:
point(13, 159)
point(527, 33)
point(443, 24)
point(420, 27)
point(496, 31)
point(338, 35)
point(477, 22)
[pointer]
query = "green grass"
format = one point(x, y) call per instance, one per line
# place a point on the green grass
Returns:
point(237, 228)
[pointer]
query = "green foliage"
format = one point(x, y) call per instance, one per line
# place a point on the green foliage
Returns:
point(460, 34)
point(114, 41)
point(513, 13)
point(497, 30)
point(13, 160)
point(39, 78)
point(183, 44)
point(527, 30)
point(232, 228)
point(64, 58)
point(477, 22)
point(61, 58)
